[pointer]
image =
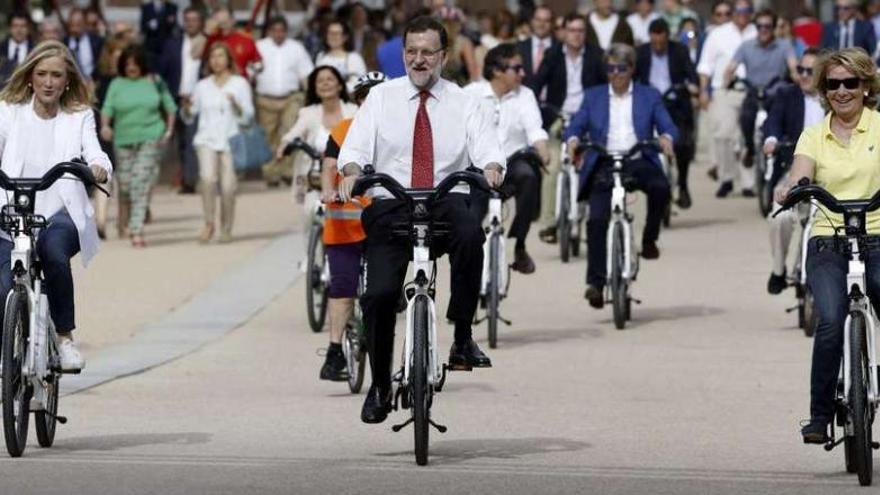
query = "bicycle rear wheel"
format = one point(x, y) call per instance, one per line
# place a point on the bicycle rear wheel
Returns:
point(860, 409)
point(762, 188)
point(421, 395)
point(316, 290)
point(355, 358)
point(493, 288)
point(46, 423)
point(809, 314)
point(563, 223)
point(619, 294)
point(16, 391)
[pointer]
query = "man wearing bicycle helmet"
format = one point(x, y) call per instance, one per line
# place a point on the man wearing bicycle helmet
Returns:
point(343, 239)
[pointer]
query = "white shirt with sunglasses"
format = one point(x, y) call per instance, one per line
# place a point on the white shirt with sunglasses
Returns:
point(621, 131)
point(719, 48)
point(516, 116)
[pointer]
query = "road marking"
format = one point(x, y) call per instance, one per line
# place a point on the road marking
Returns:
point(230, 302)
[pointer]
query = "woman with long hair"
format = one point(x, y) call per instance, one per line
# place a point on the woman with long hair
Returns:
point(45, 118)
point(223, 102)
point(339, 52)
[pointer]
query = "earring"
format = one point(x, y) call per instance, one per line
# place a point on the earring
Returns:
point(30, 85)
point(866, 94)
point(68, 89)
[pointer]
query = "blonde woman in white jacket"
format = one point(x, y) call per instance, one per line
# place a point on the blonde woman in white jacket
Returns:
point(224, 102)
point(46, 118)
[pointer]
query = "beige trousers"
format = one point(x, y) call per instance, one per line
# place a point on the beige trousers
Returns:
point(215, 169)
point(276, 116)
point(548, 182)
point(724, 127)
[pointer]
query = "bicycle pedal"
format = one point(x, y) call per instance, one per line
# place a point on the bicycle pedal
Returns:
point(440, 428)
point(789, 310)
point(637, 301)
point(459, 367)
point(397, 428)
point(69, 372)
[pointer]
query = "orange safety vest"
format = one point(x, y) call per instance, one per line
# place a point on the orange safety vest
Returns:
point(342, 222)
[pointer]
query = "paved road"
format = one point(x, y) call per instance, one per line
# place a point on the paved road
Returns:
point(702, 394)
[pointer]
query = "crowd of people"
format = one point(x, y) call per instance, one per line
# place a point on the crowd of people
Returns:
point(463, 88)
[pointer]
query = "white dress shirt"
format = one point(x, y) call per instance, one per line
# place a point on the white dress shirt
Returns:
point(639, 26)
point(537, 43)
point(189, 68)
point(621, 133)
point(82, 49)
point(718, 51)
point(516, 116)
point(217, 120)
point(310, 128)
point(284, 67)
point(17, 51)
point(813, 111)
point(72, 135)
point(574, 86)
point(382, 131)
point(604, 28)
point(351, 65)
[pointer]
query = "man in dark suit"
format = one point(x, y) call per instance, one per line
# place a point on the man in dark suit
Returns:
point(666, 65)
point(15, 48)
point(179, 66)
point(640, 112)
point(567, 70)
point(85, 46)
point(158, 23)
point(535, 47)
point(847, 31)
point(794, 108)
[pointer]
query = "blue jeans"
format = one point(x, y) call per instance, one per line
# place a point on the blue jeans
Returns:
point(56, 244)
point(826, 277)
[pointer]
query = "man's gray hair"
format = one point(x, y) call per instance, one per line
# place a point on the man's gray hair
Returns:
point(621, 53)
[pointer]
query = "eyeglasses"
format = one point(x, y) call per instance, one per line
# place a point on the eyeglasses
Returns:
point(804, 71)
point(743, 10)
point(515, 67)
point(848, 83)
point(616, 68)
point(766, 26)
point(428, 54)
point(844, 7)
point(722, 13)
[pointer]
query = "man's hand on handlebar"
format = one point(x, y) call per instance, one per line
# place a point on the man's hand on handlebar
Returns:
point(350, 174)
point(494, 175)
point(782, 189)
point(100, 174)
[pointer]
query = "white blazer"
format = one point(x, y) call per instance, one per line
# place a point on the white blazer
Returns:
point(75, 137)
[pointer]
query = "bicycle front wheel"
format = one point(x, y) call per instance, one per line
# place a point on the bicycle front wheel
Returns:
point(809, 313)
point(494, 298)
point(355, 358)
point(563, 223)
point(619, 294)
point(316, 290)
point(46, 423)
point(421, 395)
point(860, 409)
point(16, 391)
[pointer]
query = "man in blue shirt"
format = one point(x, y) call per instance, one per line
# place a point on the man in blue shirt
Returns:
point(390, 57)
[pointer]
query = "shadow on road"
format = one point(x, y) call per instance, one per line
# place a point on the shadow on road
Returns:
point(255, 236)
point(455, 451)
point(698, 223)
point(526, 336)
point(125, 440)
point(650, 315)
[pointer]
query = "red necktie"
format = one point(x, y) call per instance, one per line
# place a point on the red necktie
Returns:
point(423, 148)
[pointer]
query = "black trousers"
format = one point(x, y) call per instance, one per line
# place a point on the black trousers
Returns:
point(646, 177)
point(388, 258)
point(682, 114)
point(521, 182)
point(747, 115)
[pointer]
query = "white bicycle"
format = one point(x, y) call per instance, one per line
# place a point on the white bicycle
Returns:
point(31, 368)
point(496, 273)
point(422, 372)
point(569, 213)
point(857, 395)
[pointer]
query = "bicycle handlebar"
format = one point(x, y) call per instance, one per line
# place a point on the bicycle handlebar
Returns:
point(372, 179)
point(299, 144)
point(77, 169)
point(807, 191)
point(529, 155)
point(603, 152)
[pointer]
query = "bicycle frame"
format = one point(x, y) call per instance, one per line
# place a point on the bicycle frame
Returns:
point(495, 228)
point(422, 277)
point(859, 302)
point(620, 216)
point(567, 173)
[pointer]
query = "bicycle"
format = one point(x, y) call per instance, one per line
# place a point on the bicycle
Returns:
point(623, 262)
point(772, 172)
point(317, 268)
point(671, 97)
point(354, 339)
point(857, 395)
point(31, 367)
point(806, 315)
point(421, 374)
point(570, 213)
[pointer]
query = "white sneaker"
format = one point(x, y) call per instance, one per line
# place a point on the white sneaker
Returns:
point(71, 359)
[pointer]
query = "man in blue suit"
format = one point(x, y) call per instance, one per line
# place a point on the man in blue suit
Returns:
point(847, 31)
point(617, 116)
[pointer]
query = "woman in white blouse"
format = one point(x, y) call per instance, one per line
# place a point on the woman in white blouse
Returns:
point(326, 104)
point(46, 118)
point(223, 102)
point(339, 53)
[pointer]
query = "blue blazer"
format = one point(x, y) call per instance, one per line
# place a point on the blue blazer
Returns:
point(592, 121)
point(864, 36)
point(169, 65)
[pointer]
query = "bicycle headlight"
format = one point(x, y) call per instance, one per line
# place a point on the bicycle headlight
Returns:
point(854, 222)
point(23, 200)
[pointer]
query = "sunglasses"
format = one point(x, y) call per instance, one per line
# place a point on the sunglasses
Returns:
point(848, 83)
point(804, 71)
point(844, 7)
point(616, 68)
point(743, 10)
point(766, 26)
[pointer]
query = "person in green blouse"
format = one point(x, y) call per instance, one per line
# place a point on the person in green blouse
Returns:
point(138, 117)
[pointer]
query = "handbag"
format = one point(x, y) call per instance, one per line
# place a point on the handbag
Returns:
point(250, 148)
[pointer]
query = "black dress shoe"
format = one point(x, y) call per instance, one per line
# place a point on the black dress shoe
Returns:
point(522, 262)
point(684, 198)
point(594, 296)
point(748, 193)
point(724, 190)
point(467, 355)
point(186, 189)
point(650, 251)
point(816, 432)
point(713, 173)
point(548, 235)
point(334, 368)
point(776, 283)
point(377, 405)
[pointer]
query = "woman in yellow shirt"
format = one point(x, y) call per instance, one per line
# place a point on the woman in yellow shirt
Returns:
point(841, 154)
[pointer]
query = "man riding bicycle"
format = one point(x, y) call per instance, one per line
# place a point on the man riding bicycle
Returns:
point(617, 116)
point(343, 238)
point(793, 109)
point(419, 129)
point(517, 118)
